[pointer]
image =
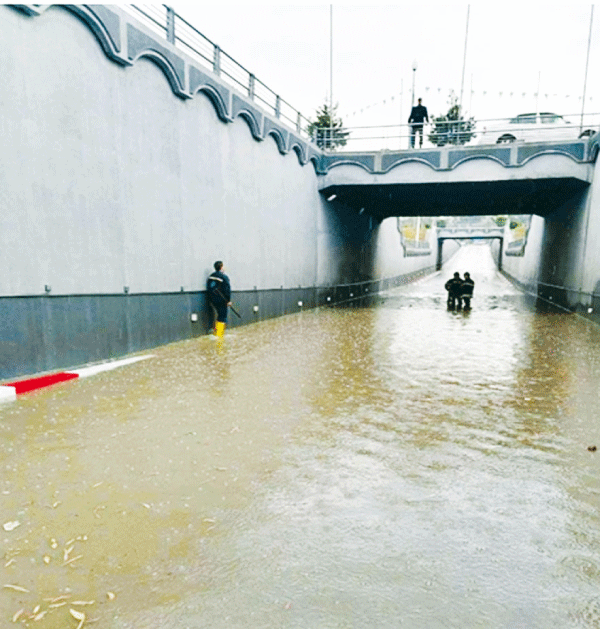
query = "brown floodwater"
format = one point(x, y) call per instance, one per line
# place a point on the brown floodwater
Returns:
point(381, 466)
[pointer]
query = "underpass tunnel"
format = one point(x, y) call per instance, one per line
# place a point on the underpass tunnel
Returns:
point(478, 258)
point(477, 239)
point(459, 198)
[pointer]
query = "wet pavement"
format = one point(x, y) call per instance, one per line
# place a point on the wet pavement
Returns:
point(396, 465)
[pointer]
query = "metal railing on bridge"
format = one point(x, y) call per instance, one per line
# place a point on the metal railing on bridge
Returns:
point(164, 21)
point(543, 127)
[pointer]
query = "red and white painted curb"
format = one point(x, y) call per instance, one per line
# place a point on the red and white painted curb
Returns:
point(10, 390)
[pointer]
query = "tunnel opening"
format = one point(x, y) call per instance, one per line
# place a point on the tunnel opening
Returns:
point(442, 239)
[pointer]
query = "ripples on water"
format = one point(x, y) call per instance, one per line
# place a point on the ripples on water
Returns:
point(396, 465)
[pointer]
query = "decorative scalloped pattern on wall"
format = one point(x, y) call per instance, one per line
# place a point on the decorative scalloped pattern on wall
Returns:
point(105, 25)
point(126, 46)
point(575, 151)
point(141, 45)
point(456, 157)
point(431, 158)
point(219, 95)
point(445, 159)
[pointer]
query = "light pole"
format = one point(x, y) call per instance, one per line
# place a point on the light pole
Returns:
point(587, 61)
point(414, 69)
point(412, 103)
point(401, 118)
point(462, 83)
point(330, 76)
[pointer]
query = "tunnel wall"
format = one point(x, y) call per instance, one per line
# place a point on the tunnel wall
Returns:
point(560, 262)
point(119, 191)
point(523, 269)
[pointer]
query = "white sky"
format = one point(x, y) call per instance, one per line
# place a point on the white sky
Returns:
point(509, 46)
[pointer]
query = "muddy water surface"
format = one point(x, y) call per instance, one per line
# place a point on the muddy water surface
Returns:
point(396, 465)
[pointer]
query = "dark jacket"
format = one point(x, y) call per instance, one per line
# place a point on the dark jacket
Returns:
point(418, 113)
point(218, 288)
point(454, 286)
point(467, 287)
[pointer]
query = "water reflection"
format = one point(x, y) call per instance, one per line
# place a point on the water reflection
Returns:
point(383, 466)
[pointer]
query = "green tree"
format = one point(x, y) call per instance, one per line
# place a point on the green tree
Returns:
point(452, 128)
point(328, 130)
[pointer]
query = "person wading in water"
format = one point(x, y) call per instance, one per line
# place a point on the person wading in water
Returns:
point(218, 289)
point(454, 288)
point(467, 291)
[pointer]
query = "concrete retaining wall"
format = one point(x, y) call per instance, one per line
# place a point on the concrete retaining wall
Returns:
point(118, 193)
point(561, 262)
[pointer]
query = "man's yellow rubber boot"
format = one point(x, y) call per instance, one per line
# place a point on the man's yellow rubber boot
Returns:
point(219, 329)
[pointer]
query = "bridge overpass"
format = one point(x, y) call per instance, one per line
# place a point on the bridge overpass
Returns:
point(535, 178)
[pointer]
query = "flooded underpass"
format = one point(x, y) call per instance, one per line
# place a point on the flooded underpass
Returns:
point(396, 465)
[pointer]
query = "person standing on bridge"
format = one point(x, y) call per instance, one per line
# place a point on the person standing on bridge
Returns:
point(218, 289)
point(454, 288)
point(467, 291)
point(418, 115)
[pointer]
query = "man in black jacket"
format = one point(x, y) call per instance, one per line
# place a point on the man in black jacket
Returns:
point(467, 290)
point(454, 288)
point(218, 289)
point(416, 119)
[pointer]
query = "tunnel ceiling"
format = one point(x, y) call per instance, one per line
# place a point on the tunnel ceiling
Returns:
point(524, 196)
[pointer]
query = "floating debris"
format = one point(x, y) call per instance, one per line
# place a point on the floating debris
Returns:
point(17, 615)
point(11, 526)
point(78, 616)
point(67, 552)
point(592, 448)
point(62, 597)
point(9, 562)
point(110, 596)
point(17, 588)
point(46, 559)
point(53, 543)
point(70, 561)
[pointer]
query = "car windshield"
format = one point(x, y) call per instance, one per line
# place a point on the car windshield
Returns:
point(548, 118)
point(524, 119)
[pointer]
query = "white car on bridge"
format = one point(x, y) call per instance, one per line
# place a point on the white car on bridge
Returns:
point(534, 127)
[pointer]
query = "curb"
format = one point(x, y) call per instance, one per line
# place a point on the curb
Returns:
point(10, 390)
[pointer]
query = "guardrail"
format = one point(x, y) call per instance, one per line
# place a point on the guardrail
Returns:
point(164, 21)
point(468, 132)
